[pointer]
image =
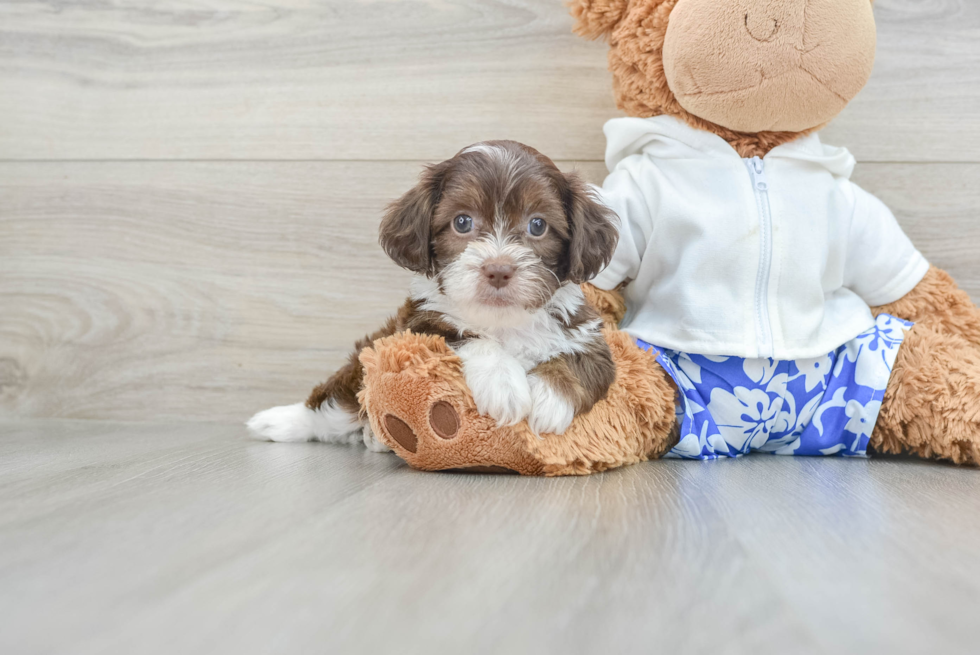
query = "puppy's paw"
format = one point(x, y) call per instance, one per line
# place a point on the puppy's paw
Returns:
point(498, 383)
point(551, 412)
point(285, 423)
point(371, 442)
point(502, 394)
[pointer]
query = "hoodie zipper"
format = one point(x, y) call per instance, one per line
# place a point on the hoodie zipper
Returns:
point(760, 186)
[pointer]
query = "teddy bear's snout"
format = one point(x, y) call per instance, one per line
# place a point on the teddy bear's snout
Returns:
point(787, 66)
point(761, 26)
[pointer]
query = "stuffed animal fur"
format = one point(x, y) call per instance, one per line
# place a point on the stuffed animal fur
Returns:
point(419, 405)
point(758, 74)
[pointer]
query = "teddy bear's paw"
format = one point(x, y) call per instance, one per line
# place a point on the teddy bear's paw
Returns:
point(551, 412)
point(419, 404)
point(497, 381)
point(442, 438)
point(443, 422)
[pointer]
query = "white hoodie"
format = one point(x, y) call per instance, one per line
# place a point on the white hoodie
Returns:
point(777, 258)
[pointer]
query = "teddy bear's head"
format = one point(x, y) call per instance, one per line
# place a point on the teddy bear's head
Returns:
point(756, 72)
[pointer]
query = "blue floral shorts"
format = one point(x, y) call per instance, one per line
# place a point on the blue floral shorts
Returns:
point(825, 406)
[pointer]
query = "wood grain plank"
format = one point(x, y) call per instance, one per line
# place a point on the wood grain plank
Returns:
point(207, 291)
point(938, 207)
point(121, 532)
point(843, 546)
point(252, 268)
point(106, 511)
point(414, 79)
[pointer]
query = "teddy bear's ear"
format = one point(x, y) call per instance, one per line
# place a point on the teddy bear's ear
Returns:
point(597, 18)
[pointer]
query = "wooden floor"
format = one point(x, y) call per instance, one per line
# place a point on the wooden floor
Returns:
point(188, 538)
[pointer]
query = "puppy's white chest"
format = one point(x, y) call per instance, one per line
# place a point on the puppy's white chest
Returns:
point(533, 346)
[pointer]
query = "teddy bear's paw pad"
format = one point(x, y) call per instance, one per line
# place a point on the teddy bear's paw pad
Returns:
point(401, 432)
point(444, 420)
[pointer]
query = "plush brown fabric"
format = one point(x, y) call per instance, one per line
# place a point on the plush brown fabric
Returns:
point(937, 303)
point(785, 66)
point(790, 88)
point(932, 405)
point(414, 389)
point(609, 304)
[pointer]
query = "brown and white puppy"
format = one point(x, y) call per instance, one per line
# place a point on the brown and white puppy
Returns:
point(500, 240)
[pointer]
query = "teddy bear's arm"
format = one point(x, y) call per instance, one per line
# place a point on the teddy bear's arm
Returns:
point(938, 303)
point(610, 304)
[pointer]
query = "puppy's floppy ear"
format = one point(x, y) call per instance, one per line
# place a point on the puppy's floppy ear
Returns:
point(594, 231)
point(406, 228)
point(597, 18)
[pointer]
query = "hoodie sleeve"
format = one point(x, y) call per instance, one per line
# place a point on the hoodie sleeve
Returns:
point(882, 264)
point(620, 193)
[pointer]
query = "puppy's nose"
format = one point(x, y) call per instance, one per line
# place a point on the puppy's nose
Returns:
point(498, 275)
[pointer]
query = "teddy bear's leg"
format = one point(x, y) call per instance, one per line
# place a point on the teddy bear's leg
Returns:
point(932, 405)
point(936, 302)
point(418, 404)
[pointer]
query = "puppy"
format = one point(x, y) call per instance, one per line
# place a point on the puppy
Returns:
point(501, 241)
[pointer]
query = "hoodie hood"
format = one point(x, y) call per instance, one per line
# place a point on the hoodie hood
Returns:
point(666, 137)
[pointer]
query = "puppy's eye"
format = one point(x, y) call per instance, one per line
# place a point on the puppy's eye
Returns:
point(462, 224)
point(536, 227)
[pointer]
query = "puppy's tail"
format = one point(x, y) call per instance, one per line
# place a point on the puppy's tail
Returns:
point(298, 422)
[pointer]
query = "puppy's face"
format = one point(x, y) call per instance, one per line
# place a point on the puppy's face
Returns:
point(499, 227)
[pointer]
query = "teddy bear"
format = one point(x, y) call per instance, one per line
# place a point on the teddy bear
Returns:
point(758, 301)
